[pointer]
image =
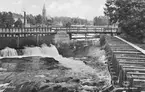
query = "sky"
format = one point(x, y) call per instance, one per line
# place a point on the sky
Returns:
point(87, 9)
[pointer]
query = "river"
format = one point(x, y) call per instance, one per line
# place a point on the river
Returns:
point(44, 65)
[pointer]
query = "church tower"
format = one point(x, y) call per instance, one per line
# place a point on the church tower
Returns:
point(43, 14)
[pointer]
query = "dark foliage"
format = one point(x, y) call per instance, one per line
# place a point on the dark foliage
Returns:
point(18, 23)
point(101, 20)
point(6, 19)
point(129, 14)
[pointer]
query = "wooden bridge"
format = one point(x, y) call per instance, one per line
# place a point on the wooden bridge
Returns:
point(126, 64)
point(25, 32)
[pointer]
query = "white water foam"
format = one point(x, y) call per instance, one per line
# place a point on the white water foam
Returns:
point(8, 52)
point(49, 51)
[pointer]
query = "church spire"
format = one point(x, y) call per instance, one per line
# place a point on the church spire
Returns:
point(43, 14)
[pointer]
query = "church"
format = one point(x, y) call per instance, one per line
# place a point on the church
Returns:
point(46, 19)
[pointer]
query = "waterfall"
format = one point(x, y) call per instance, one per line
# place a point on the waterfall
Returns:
point(32, 51)
point(44, 51)
point(49, 51)
point(8, 52)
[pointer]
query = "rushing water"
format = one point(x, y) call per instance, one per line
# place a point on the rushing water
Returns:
point(77, 66)
point(8, 52)
point(49, 51)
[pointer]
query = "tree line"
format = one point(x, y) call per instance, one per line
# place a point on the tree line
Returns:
point(129, 15)
point(68, 21)
point(7, 20)
point(100, 21)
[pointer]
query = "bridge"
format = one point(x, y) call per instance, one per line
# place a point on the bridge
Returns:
point(126, 64)
point(19, 37)
point(25, 32)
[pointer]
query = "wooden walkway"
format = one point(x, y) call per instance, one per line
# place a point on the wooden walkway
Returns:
point(42, 31)
point(126, 64)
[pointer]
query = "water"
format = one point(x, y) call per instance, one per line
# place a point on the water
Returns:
point(8, 52)
point(49, 51)
point(77, 66)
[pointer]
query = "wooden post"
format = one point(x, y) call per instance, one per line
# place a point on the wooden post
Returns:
point(18, 41)
point(85, 36)
point(111, 32)
point(37, 39)
point(70, 36)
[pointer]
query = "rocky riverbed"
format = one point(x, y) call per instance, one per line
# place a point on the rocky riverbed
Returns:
point(82, 70)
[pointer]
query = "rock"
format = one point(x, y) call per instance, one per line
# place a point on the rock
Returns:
point(49, 63)
point(63, 79)
point(41, 76)
point(90, 83)
point(3, 69)
point(25, 87)
point(9, 66)
point(61, 87)
point(89, 88)
point(75, 80)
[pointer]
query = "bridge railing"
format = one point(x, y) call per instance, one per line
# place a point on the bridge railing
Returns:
point(55, 29)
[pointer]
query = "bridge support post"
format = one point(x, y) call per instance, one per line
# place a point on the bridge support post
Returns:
point(70, 36)
point(85, 37)
point(37, 39)
point(18, 41)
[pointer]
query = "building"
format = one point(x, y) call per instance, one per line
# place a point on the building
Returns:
point(18, 16)
point(46, 19)
point(21, 17)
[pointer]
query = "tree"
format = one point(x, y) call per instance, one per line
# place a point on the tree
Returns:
point(129, 14)
point(101, 20)
point(31, 19)
point(6, 19)
point(68, 24)
point(38, 19)
point(18, 23)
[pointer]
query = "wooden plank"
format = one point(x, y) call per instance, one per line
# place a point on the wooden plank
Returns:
point(132, 65)
point(138, 77)
point(118, 49)
point(135, 46)
point(127, 52)
point(135, 73)
point(138, 80)
point(136, 63)
point(134, 69)
point(130, 58)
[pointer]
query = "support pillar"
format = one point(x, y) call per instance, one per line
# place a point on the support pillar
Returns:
point(85, 37)
point(70, 36)
point(37, 39)
point(18, 41)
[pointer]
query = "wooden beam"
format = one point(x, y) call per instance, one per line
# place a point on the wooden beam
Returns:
point(127, 52)
point(135, 73)
point(130, 58)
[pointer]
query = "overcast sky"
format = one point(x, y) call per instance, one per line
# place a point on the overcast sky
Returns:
point(73, 8)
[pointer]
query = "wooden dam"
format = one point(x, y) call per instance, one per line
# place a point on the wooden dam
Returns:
point(126, 64)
